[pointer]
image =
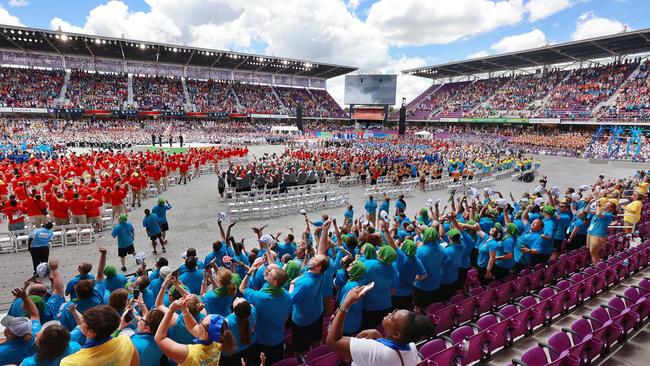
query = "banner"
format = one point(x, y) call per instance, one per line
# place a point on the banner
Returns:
point(494, 120)
point(29, 110)
point(544, 121)
point(5, 109)
point(448, 119)
point(262, 115)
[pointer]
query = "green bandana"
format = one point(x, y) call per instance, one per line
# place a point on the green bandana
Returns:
point(356, 270)
point(498, 226)
point(430, 235)
point(293, 270)
point(110, 271)
point(454, 235)
point(512, 229)
point(387, 254)
point(275, 291)
point(221, 291)
point(369, 251)
point(39, 302)
point(409, 247)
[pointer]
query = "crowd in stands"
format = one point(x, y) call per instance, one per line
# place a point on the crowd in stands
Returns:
point(29, 88)
point(257, 98)
point(88, 90)
point(586, 88)
point(158, 93)
point(516, 98)
point(211, 95)
point(465, 98)
point(373, 270)
point(633, 101)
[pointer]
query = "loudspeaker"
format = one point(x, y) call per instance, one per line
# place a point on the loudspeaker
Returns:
point(299, 117)
point(402, 121)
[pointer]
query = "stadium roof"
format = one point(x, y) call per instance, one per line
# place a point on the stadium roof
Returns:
point(601, 47)
point(67, 43)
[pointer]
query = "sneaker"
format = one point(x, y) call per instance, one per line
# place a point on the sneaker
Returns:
point(155, 251)
point(164, 250)
point(123, 269)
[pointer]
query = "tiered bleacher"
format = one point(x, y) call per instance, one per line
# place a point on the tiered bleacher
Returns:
point(88, 90)
point(211, 95)
point(158, 93)
point(29, 88)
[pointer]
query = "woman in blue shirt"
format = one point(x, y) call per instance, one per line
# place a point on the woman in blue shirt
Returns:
point(356, 277)
point(241, 324)
point(597, 232)
point(577, 231)
point(377, 302)
point(431, 255)
point(504, 256)
point(219, 299)
point(487, 253)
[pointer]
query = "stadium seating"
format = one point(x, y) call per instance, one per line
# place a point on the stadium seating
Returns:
point(211, 96)
point(158, 93)
point(96, 91)
point(29, 88)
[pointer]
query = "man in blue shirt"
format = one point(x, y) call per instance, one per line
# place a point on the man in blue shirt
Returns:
point(20, 332)
point(597, 232)
point(193, 277)
point(39, 244)
point(377, 302)
point(528, 245)
point(143, 339)
point(160, 210)
point(273, 305)
point(451, 265)
point(548, 231)
point(562, 222)
point(431, 255)
point(371, 209)
point(151, 222)
point(125, 235)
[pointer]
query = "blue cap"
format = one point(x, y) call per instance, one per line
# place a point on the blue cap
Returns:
point(318, 223)
point(214, 329)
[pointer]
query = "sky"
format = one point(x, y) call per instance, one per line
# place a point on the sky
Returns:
point(382, 36)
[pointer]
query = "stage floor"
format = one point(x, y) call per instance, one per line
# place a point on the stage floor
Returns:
point(175, 148)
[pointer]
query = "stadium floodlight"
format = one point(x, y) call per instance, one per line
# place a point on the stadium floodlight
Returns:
point(142, 46)
point(57, 36)
point(12, 31)
point(175, 49)
point(97, 41)
point(20, 32)
point(64, 37)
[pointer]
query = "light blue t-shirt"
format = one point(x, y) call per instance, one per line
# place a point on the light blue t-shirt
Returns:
point(385, 278)
point(371, 207)
point(15, 350)
point(431, 255)
point(161, 212)
point(307, 298)
point(598, 226)
point(355, 312)
point(73, 347)
point(407, 268)
point(124, 233)
point(273, 311)
point(505, 246)
point(150, 353)
point(233, 326)
point(216, 304)
point(41, 237)
point(451, 263)
point(484, 249)
point(193, 280)
point(152, 224)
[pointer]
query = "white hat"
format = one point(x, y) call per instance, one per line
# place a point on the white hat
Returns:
point(538, 189)
point(555, 191)
point(383, 215)
point(488, 190)
point(140, 257)
point(164, 271)
point(501, 202)
point(43, 269)
point(18, 326)
point(574, 196)
point(539, 201)
point(429, 202)
point(584, 187)
point(267, 239)
point(222, 216)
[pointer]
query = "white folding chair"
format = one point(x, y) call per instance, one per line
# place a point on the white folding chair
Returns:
point(86, 234)
point(6, 242)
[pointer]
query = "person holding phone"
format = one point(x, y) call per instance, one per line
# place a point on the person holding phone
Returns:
point(401, 329)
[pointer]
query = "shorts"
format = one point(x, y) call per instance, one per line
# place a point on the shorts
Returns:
point(221, 190)
point(303, 337)
point(557, 245)
point(154, 237)
point(94, 220)
point(164, 226)
point(422, 298)
point(123, 252)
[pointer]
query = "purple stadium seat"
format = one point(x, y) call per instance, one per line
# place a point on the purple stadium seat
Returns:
point(317, 352)
point(432, 347)
point(581, 331)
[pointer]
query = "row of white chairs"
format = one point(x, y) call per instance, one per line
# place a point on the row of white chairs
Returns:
point(406, 188)
point(261, 193)
point(17, 241)
point(286, 204)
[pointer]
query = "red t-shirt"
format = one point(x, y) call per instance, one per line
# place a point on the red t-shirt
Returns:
point(117, 197)
point(59, 208)
point(92, 208)
point(34, 207)
point(77, 207)
point(14, 213)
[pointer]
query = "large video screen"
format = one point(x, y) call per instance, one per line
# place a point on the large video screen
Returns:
point(370, 89)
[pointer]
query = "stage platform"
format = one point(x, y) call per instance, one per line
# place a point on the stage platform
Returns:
point(175, 148)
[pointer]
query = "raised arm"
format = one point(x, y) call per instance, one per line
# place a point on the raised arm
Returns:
point(102, 263)
point(56, 278)
point(323, 244)
point(29, 305)
point(389, 239)
point(175, 351)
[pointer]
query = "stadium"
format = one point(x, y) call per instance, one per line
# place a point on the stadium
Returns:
point(166, 202)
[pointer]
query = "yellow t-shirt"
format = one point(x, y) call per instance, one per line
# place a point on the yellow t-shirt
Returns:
point(203, 355)
point(632, 212)
point(643, 188)
point(116, 352)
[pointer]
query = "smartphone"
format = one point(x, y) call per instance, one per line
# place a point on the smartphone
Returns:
point(175, 273)
point(367, 288)
point(128, 317)
point(136, 293)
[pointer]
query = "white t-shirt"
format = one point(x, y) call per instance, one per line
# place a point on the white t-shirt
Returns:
point(368, 352)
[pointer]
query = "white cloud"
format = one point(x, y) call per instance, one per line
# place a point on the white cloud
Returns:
point(354, 4)
point(540, 9)
point(478, 54)
point(416, 23)
point(532, 39)
point(589, 26)
point(7, 18)
point(324, 30)
point(18, 3)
